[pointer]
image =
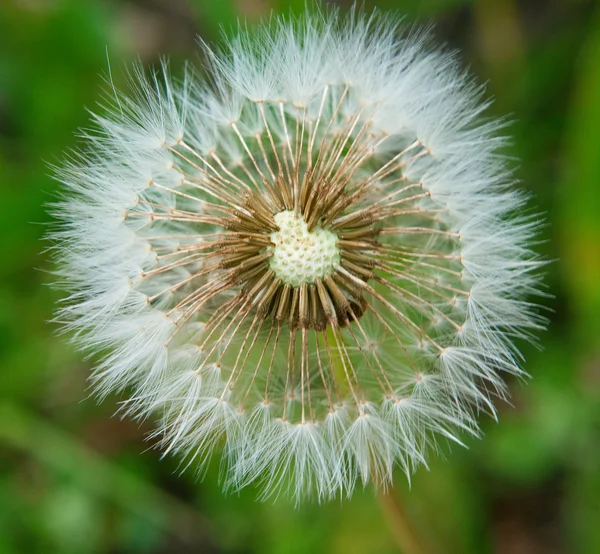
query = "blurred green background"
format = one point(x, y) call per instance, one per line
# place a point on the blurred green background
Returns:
point(74, 479)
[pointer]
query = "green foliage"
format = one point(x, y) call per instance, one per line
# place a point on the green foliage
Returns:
point(72, 479)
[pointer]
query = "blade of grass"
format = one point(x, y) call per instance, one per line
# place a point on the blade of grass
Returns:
point(24, 430)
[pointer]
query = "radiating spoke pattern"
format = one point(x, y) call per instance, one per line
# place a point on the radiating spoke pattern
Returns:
point(312, 264)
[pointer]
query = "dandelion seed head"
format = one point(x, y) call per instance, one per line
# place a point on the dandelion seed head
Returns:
point(308, 261)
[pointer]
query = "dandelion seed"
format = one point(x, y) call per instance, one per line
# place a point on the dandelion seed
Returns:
point(311, 263)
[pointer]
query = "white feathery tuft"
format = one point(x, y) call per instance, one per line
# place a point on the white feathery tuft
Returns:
point(309, 377)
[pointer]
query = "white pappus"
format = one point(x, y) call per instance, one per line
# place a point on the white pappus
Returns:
point(309, 257)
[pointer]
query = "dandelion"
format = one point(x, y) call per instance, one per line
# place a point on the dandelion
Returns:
point(309, 260)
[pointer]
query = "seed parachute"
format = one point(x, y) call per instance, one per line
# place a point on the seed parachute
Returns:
point(308, 257)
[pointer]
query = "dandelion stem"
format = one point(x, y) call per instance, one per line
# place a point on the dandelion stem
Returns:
point(400, 524)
